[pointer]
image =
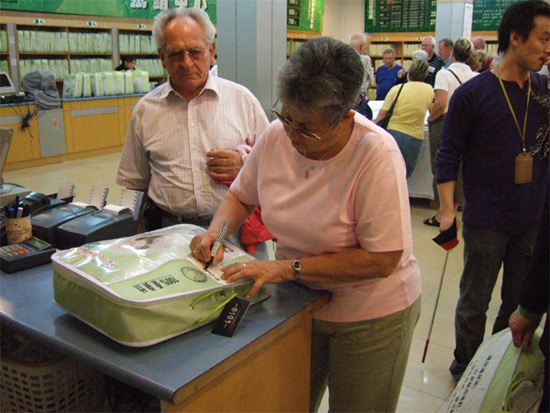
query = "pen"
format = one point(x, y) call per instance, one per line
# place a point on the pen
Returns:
point(217, 244)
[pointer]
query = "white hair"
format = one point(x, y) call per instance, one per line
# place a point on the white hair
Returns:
point(431, 39)
point(166, 16)
point(419, 55)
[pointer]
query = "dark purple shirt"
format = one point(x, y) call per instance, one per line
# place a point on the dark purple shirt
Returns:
point(479, 130)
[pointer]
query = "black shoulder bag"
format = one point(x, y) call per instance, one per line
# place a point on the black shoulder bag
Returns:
point(386, 121)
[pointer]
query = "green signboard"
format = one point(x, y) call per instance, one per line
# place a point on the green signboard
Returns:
point(400, 15)
point(135, 9)
point(305, 15)
point(302, 14)
point(420, 15)
point(488, 14)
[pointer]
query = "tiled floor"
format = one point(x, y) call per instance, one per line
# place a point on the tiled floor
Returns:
point(426, 385)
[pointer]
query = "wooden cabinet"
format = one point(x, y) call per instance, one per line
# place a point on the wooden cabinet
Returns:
point(295, 38)
point(25, 144)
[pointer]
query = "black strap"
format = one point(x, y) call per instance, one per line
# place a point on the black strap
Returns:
point(455, 75)
point(390, 112)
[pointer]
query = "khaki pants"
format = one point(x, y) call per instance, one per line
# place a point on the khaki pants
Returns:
point(363, 363)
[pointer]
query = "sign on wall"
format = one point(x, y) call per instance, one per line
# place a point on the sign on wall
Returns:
point(301, 14)
point(420, 15)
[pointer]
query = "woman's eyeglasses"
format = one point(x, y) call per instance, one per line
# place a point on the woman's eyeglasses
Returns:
point(288, 124)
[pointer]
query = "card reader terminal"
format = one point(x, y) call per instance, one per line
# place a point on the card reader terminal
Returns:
point(27, 254)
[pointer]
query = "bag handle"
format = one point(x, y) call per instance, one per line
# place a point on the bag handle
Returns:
point(390, 112)
point(454, 74)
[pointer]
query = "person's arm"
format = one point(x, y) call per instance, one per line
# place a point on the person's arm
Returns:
point(225, 164)
point(458, 125)
point(440, 103)
point(370, 74)
point(232, 210)
point(386, 105)
point(341, 267)
point(535, 295)
point(446, 192)
point(381, 115)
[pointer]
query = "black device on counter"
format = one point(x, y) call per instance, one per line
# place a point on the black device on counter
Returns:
point(45, 223)
point(38, 202)
point(27, 254)
point(97, 226)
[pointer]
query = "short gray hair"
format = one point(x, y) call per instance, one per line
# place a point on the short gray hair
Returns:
point(419, 55)
point(323, 74)
point(388, 51)
point(418, 70)
point(166, 16)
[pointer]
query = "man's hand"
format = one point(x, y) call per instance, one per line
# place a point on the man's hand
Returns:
point(224, 164)
point(522, 330)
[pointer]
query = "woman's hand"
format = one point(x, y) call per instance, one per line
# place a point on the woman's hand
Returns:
point(262, 272)
point(201, 247)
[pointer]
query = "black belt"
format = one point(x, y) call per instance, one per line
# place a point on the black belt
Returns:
point(202, 220)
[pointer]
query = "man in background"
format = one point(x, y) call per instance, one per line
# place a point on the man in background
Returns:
point(435, 62)
point(497, 126)
point(445, 49)
point(480, 44)
point(386, 75)
point(189, 136)
point(358, 41)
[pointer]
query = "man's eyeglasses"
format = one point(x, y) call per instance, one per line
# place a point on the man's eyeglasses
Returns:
point(288, 124)
point(178, 55)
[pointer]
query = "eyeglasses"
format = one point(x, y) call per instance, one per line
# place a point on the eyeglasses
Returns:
point(178, 55)
point(287, 123)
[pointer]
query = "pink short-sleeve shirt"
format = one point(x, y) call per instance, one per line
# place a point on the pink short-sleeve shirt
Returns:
point(357, 199)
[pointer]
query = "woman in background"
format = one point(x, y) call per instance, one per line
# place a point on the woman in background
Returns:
point(446, 82)
point(333, 192)
point(128, 63)
point(409, 114)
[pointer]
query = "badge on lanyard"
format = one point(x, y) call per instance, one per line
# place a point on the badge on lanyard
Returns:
point(524, 169)
point(523, 173)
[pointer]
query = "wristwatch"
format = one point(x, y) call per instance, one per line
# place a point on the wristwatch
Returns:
point(297, 267)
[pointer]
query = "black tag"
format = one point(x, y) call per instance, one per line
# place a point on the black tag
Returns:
point(231, 316)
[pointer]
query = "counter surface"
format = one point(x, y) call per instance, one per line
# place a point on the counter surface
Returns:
point(26, 303)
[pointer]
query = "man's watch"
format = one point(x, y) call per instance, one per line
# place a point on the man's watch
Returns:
point(297, 267)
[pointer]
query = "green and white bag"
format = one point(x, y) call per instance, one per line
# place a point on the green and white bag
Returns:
point(147, 288)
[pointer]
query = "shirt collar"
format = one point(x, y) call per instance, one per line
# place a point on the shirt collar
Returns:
point(209, 85)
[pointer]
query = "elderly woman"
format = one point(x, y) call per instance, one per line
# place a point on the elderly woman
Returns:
point(332, 189)
point(409, 114)
point(446, 82)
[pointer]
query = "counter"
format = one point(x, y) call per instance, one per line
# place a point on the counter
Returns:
point(265, 365)
point(81, 128)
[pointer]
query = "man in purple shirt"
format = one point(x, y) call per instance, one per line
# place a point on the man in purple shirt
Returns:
point(497, 126)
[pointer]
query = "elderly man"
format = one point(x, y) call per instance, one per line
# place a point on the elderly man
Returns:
point(189, 136)
point(358, 42)
point(435, 62)
point(497, 126)
point(386, 75)
point(445, 50)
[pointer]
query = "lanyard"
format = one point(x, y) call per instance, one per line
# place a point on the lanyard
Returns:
point(521, 134)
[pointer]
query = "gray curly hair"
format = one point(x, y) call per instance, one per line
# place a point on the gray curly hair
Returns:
point(323, 74)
